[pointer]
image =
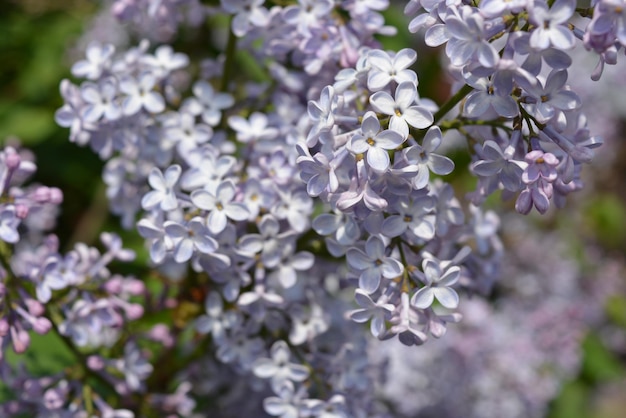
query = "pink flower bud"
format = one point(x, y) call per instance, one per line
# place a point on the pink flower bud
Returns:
point(12, 159)
point(56, 196)
point(4, 327)
point(134, 311)
point(42, 325)
point(41, 194)
point(20, 340)
point(34, 307)
point(21, 211)
point(95, 363)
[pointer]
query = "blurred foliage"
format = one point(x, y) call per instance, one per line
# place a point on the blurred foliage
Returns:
point(35, 37)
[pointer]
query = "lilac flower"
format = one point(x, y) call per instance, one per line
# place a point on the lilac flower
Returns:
point(98, 60)
point(285, 405)
point(438, 277)
point(208, 103)
point(165, 60)
point(187, 239)
point(378, 312)
point(487, 97)
point(183, 130)
point(296, 207)
point(550, 24)
point(318, 172)
point(9, 222)
point(215, 321)
point(322, 114)
point(497, 8)
point(495, 162)
point(467, 39)
point(538, 176)
point(555, 58)
point(134, 366)
point(207, 170)
point(252, 129)
point(447, 209)
point(405, 323)
point(424, 158)
point(402, 110)
point(552, 97)
point(221, 206)
point(373, 264)
point(160, 243)
point(375, 142)
point(47, 278)
point(100, 100)
point(307, 14)
point(415, 215)
point(278, 368)
point(344, 227)
point(163, 195)
point(139, 94)
point(286, 272)
point(386, 68)
point(247, 13)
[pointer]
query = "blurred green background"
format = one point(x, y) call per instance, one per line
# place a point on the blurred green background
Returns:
point(35, 39)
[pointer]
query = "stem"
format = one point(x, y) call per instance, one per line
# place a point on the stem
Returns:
point(453, 101)
point(231, 48)
point(82, 360)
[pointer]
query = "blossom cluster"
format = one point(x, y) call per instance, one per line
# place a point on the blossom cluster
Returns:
point(263, 203)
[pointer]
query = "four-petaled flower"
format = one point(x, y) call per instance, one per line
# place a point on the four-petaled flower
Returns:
point(373, 264)
point(438, 278)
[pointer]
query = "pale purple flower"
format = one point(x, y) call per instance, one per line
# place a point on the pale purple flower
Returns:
point(495, 162)
point(414, 215)
point(318, 172)
point(279, 369)
point(378, 312)
point(468, 39)
point(406, 323)
point(424, 158)
point(402, 108)
point(47, 278)
point(486, 97)
point(248, 13)
point(296, 207)
point(163, 195)
point(221, 206)
point(385, 68)
point(100, 100)
point(98, 60)
point(373, 264)
point(189, 238)
point(9, 222)
point(134, 366)
point(140, 94)
point(551, 97)
point(253, 129)
point(208, 103)
point(160, 243)
point(498, 8)
point(165, 60)
point(322, 114)
point(375, 142)
point(438, 278)
point(307, 14)
point(285, 405)
point(551, 24)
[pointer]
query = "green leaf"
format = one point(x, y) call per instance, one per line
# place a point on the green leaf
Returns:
point(599, 364)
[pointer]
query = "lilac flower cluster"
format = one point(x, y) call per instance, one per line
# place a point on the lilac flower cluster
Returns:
point(508, 358)
point(268, 208)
